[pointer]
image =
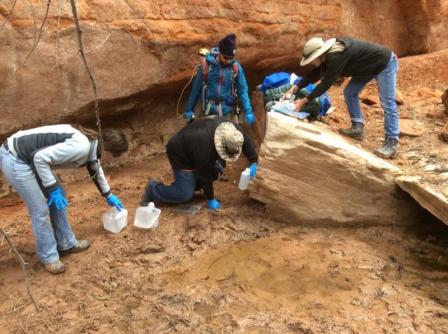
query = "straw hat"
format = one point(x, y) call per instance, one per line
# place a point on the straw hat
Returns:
point(228, 141)
point(314, 48)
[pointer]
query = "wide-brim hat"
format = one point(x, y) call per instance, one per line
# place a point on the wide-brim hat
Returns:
point(228, 141)
point(314, 48)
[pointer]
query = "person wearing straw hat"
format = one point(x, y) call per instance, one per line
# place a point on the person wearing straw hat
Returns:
point(193, 153)
point(362, 61)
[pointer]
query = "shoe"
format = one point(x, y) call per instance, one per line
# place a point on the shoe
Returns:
point(145, 197)
point(55, 268)
point(355, 132)
point(388, 150)
point(81, 246)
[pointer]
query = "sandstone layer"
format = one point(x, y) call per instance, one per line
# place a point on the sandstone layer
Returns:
point(428, 197)
point(141, 52)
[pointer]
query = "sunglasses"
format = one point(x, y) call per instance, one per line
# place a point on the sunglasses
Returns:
point(227, 57)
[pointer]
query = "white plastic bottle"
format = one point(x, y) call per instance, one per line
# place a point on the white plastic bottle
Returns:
point(114, 221)
point(147, 216)
point(244, 179)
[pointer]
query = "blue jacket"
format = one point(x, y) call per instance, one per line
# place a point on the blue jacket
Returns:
point(219, 87)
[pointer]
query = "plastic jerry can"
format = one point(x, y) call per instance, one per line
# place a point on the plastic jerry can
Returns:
point(114, 220)
point(244, 179)
point(147, 216)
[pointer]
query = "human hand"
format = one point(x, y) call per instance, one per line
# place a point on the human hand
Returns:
point(253, 170)
point(300, 103)
point(114, 201)
point(287, 96)
point(58, 199)
point(214, 204)
point(250, 118)
point(189, 116)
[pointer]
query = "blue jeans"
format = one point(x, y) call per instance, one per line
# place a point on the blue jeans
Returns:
point(387, 84)
point(51, 229)
point(180, 191)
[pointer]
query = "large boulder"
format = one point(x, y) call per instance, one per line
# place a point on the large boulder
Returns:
point(142, 52)
point(308, 174)
point(426, 195)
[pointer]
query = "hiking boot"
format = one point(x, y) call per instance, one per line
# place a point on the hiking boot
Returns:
point(355, 132)
point(388, 150)
point(145, 197)
point(55, 268)
point(81, 246)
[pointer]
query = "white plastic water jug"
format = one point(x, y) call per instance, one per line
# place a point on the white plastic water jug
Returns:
point(147, 216)
point(244, 179)
point(114, 220)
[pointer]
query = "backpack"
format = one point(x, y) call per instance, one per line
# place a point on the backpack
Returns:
point(275, 80)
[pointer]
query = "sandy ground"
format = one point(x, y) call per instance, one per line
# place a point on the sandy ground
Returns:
point(237, 271)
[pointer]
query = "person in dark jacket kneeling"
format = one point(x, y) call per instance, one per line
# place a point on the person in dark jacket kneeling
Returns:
point(27, 159)
point(194, 154)
point(362, 61)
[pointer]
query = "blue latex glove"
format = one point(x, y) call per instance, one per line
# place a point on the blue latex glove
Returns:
point(114, 201)
point(57, 199)
point(250, 118)
point(214, 204)
point(188, 116)
point(253, 170)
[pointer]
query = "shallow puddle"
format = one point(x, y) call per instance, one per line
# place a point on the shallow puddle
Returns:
point(276, 270)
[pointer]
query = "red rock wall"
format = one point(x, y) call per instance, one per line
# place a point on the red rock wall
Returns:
point(142, 51)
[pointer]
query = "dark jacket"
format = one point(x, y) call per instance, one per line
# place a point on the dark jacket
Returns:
point(359, 58)
point(193, 148)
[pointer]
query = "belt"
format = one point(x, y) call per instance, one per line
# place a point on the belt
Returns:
point(6, 146)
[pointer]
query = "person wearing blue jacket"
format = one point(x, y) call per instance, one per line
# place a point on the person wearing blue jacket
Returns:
point(220, 82)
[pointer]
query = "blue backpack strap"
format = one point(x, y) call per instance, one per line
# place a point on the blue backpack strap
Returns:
point(205, 69)
point(235, 70)
point(236, 108)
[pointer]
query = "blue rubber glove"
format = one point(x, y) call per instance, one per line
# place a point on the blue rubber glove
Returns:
point(253, 170)
point(188, 116)
point(57, 199)
point(214, 204)
point(250, 118)
point(114, 201)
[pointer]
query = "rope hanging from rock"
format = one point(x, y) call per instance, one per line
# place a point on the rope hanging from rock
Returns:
point(86, 64)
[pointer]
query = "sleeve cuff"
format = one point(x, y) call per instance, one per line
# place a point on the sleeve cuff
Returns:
point(49, 189)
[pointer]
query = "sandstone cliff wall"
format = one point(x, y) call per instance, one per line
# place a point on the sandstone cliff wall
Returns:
point(142, 52)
